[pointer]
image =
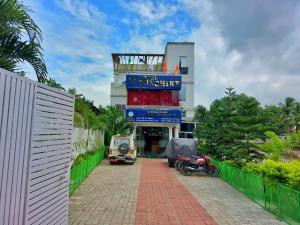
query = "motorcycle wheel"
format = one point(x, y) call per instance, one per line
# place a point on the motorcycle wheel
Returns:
point(186, 172)
point(180, 165)
point(176, 164)
point(213, 171)
point(170, 163)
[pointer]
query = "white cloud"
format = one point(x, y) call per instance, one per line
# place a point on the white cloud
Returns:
point(149, 11)
point(76, 50)
point(246, 46)
point(81, 9)
point(144, 44)
point(250, 45)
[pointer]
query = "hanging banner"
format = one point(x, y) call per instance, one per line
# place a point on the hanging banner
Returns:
point(152, 82)
point(154, 115)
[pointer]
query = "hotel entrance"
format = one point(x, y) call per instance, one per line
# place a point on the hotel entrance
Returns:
point(152, 141)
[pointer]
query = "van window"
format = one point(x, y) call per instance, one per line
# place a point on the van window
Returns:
point(119, 141)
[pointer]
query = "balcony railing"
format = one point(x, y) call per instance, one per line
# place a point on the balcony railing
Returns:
point(138, 68)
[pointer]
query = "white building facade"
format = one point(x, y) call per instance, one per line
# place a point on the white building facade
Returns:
point(157, 92)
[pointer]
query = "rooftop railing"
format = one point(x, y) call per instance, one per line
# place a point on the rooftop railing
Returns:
point(138, 68)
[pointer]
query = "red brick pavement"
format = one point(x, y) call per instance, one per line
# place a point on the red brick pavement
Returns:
point(164, 200)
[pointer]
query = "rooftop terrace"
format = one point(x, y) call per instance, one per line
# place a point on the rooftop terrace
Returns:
point(137, 62)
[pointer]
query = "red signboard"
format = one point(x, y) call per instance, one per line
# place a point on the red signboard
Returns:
point(150, 97)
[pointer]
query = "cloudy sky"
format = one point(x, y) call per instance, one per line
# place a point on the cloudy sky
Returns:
point(251, 45)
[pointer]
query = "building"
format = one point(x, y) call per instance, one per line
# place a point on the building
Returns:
point(157, 92)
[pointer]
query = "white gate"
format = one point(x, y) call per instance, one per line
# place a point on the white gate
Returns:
point(36, 124)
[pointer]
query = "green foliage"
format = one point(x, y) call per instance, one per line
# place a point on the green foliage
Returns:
point(200, 113)
point(231, 126)
point(274, 146)
point(293, 140)
point(273, 119)
point(20, 39)
point(109, 118)
point(53, 83)
point(234, 124)
point(87, 155)
point(79, 159)
point(84, 115)
point(291, 110)
point(277, 147)
point(277, 172)
point(116, 123)
point(78, 121)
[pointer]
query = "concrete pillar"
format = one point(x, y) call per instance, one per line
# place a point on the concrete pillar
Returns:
point(170, 133)
point(176, 131)
point(134, 131)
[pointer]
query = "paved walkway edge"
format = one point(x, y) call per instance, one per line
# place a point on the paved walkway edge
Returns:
point(164, 200)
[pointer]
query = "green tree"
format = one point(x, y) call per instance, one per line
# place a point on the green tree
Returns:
point(273, 119)
point(289, 106)
point(200, 113)
point(246, 126)
point(115, 122)
point(297, 115)
point(20, 39)
point(53, 83)
point(213, 134)
point(276, 147)
point(231, 126)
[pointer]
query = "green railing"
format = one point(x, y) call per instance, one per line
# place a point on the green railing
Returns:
point(80, 171)
point(278, 199)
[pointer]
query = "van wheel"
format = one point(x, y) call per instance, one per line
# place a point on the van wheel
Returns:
point(170, 163)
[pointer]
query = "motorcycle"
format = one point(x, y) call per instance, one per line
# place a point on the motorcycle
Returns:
point(189, 165)
point(179, 160)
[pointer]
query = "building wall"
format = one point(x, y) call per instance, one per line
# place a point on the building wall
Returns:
point(86, 140)
point(173, 52)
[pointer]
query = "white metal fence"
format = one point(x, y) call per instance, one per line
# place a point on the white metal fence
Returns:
point(36, 125)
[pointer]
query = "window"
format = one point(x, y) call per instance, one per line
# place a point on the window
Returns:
point(189, 135)
point(187, 127)
point(186, 135)
point(182, 135)
point(183, 67)
point(119, 141)
point(121, 107)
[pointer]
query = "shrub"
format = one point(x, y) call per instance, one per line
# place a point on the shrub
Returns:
point(277, 147)
point(294, 174)
point(277, 172)
point(79, 159)
point(83, 157)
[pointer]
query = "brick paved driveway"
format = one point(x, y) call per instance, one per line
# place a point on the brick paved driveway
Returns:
point(151, 193)
point(107, 196)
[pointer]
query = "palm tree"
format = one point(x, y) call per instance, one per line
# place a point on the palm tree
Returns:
point(297, 115)
point(20, 39)
point(288, 108)
point(115, 122)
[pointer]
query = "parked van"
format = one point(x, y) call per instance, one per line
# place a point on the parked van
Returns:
point(122, 149)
